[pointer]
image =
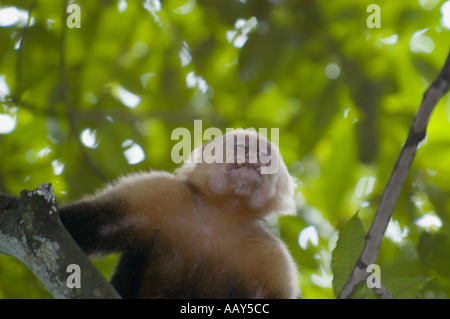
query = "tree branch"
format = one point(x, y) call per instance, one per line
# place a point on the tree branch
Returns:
point(63, 91)
point(31, 231)
point(19, 50)
point(392, 191)
point(382, 292)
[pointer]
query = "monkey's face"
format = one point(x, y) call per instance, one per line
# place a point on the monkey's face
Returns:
point(243, 169)
point(242, 166)
point(245, 160)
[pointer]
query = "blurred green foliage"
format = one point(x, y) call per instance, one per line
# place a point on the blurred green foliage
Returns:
point(76, 102)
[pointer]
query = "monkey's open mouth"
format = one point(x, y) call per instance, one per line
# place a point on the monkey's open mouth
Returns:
point(255, 166)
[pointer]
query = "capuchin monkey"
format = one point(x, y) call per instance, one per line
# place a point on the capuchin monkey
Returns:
point(198, 233)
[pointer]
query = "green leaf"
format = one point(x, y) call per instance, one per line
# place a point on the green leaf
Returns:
point(348, 249)
point(407, 288)
point(434, 251)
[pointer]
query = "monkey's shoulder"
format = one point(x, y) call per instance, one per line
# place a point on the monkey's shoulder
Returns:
point(150, 189)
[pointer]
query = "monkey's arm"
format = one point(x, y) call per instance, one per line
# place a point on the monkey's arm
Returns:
point(94, 224)
point(126, 215)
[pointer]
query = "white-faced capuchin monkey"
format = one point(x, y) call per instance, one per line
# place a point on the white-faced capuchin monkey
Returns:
point(198, 233)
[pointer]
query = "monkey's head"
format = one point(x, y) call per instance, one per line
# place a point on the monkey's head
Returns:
point(242, 166)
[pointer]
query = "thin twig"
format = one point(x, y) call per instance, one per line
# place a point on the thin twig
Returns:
point(382, 292)
point(19, 50)
point(392, 191)
point(63, 86)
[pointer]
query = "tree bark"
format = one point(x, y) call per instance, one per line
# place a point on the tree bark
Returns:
point(33, 233)
point(392, 191)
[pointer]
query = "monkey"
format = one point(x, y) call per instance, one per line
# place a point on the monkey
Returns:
point(199, 232)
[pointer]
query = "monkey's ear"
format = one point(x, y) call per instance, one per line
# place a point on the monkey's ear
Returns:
point(289, 207)
point(284, 198)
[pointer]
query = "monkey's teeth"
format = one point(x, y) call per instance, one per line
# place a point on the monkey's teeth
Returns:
point(239, 164)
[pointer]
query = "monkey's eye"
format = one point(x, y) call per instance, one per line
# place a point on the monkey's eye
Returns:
point(264, 156)
point(264, 151)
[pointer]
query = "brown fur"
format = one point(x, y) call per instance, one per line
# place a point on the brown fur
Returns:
point(206, 239)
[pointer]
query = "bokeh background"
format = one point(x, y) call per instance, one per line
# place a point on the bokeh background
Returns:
point(81, 106)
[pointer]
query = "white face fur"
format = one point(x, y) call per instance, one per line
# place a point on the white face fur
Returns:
point(246, 165)
point(245, 156)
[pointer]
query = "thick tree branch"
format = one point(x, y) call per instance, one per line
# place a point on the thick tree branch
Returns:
point(31, 231)
point(392, 191)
